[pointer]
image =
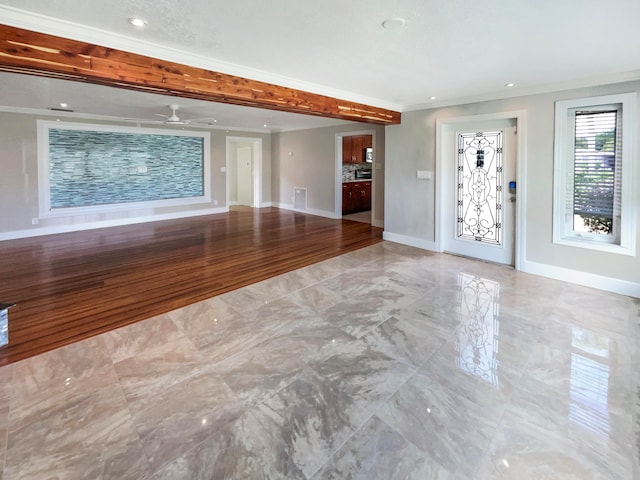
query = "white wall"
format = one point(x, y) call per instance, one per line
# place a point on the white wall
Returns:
point(410, 203)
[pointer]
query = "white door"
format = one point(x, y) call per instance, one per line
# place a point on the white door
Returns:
point(479, 191)
point(245, 176)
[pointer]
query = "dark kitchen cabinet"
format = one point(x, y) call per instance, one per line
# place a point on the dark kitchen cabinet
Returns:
point(347, 143)
point(347, 199)
point(365, 196)
point(353, 148)
point(356, 149)
point(356, 197)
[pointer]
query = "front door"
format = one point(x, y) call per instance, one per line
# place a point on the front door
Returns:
point(480, 191)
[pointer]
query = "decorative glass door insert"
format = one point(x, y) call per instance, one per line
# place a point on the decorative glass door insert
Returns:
point(479, 187)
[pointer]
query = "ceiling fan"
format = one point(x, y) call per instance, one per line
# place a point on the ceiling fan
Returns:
point(174, 119)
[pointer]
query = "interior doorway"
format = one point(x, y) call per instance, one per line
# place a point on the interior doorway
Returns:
point(355, 197)
point(244, 171)
point(479, 187)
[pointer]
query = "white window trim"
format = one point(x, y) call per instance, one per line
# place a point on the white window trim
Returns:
point(629, 203)
point(44, 191)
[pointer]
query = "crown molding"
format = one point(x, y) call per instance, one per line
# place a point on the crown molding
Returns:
point(621, 77)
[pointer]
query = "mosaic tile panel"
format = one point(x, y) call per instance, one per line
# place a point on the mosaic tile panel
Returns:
point(89, 168)
point(4, 326)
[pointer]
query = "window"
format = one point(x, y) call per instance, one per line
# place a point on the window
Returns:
point(594, 173)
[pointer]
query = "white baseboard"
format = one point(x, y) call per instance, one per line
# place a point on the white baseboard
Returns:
point(411, 241)
point(609, 284)
point(36, 232)
point(285, 206)
point(319, 213)
point(600, 282)
point(310, 211)
point(615, 285)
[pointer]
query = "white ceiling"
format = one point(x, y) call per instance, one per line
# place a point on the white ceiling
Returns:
point(456, 50)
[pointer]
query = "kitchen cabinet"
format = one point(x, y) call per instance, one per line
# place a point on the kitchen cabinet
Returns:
point(353, 148)
point(365, 201)
point(356, 197)
point(356, 149)
point(346, 149)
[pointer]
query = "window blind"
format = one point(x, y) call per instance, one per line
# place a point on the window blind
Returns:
point(594, 185)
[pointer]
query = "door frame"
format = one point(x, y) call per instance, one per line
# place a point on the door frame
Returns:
point(256, 156)
point(446, 126)
point(338, 171)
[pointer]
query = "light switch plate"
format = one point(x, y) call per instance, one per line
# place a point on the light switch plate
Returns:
point(423, 174)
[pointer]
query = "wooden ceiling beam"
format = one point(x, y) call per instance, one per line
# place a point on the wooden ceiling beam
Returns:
point(34, 53)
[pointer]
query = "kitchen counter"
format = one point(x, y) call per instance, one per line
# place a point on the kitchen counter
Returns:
point(357, 180)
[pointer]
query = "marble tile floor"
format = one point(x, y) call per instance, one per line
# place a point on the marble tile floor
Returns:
point(364, 217)
point(385, 363)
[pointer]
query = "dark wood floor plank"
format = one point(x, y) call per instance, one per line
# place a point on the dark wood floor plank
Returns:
point(69, 287)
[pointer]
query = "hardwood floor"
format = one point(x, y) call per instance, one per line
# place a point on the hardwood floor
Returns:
point(71, 286)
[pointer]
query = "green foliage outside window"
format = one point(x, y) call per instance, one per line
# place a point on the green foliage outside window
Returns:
point(606, 141)
point(598, 224)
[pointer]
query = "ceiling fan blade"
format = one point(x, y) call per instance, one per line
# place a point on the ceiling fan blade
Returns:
point(140, 120)
point(203, 120)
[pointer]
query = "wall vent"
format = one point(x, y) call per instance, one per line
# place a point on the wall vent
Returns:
point(300, 198)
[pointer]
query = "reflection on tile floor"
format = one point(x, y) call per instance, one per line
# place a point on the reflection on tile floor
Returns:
point(385, 363)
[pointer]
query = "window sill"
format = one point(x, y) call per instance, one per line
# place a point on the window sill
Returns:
point(590, 244)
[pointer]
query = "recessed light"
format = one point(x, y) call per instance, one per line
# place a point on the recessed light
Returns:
point(138, 22)
point(265, 125)
point(394, 23)
point(64, 105)
point(510, 84)
point(432, 98)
